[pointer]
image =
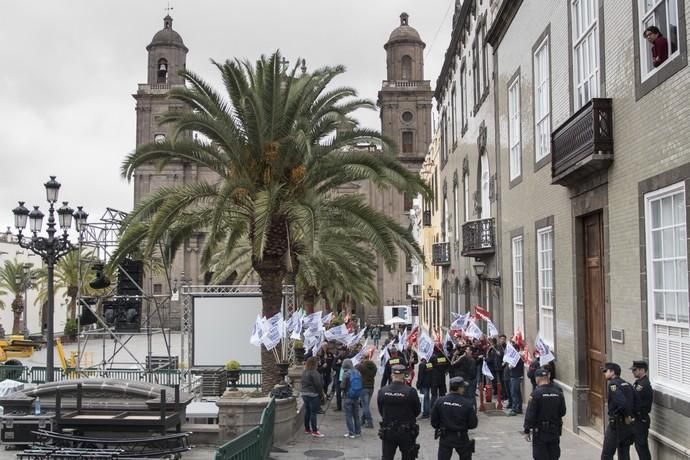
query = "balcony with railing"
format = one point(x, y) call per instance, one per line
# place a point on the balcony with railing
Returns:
point(583, 144)
point(478, 238)
point(440, 253)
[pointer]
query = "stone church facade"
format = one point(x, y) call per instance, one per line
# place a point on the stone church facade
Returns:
point(405, 101)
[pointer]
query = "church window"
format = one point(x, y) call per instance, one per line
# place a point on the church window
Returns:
point(406, 67)
point(407, 116)
point(162, 71)
point(407, 142)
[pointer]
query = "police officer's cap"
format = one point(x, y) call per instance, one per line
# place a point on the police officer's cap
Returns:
point(458, 381)
point(398, 369)
point(613, 367)
point(639, 364)
point(541, 372)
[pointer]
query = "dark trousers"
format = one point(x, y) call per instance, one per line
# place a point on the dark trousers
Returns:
point(338, 396)
point(617, 439)
point(436, 392)
point(311, 407)
point(398, 440)
point(516, 394)
point(326, 376)
point(455, 442)
point(641, 433)
point(546, 450)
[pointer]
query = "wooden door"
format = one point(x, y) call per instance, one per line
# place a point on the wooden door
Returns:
point(595, 317)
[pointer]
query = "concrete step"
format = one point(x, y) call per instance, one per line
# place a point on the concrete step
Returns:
point(591, 435)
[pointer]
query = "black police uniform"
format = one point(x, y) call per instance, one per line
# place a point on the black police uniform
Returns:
point(440, 365)
point(398, 359)
point(545, 409)
point(619, 434)
point(452, 416)
point(643, 397)
point(399, 407)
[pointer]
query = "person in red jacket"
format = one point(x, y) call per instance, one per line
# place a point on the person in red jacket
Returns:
point(659, 45)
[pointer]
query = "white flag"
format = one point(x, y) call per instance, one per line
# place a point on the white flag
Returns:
point(493, 332)
point(402, 339)
point(511, 355)
point(472, 330)
point(327, 319)
point(486, 371)
point(425, 346)
point(459, 322)
point(446, 340)
point(384, 356)
point(360, 355)
point(545, 353)
point(337, 333)
point(272, 331)
point(312, 321)
point(255, 339)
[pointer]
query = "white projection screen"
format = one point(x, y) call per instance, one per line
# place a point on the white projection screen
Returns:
point(221, 330)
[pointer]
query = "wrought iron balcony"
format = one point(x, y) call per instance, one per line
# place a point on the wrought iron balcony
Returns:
point(478, 238)
point(583, 144)
point(440, 253)
point(426, 218)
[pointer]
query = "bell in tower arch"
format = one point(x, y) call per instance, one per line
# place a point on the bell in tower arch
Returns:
point(162, 71)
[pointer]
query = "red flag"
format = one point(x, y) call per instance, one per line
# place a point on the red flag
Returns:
point(482, 313)
point(518, 338)
point(412, 337)
point(526, 356)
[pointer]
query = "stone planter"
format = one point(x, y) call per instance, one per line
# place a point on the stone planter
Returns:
point(295, 375)
point(299, 355)
point(238, 414)
point(233, 377)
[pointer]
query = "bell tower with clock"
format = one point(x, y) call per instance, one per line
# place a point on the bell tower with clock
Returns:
point(405, 103)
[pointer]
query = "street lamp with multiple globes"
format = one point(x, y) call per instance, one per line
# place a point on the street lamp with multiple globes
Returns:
point(50, 248)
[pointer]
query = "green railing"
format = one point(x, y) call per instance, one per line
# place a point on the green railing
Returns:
point(256, 443)
point(18, 373)
point(250, 377)
point(38, 374)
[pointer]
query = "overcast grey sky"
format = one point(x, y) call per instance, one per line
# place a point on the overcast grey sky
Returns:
point(69, 68)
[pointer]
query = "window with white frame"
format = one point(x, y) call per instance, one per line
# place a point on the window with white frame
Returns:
point(463, 96)
point(518, 286)
point(453, 115)
point(545, 283)
point(667, 287)
point(662, 14)
point(585, 25)
point(446, 219)
point(514, 128)
point(542, 101)
point(466, 194)
point(456, 215)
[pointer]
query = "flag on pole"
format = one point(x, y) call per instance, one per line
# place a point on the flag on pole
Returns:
point(459, 322)
point(526, 357)
point(327, 319)
point(444, 348)
point(482, 312)
point(384, 356)
point(545, 353)
point(486, 371)
point(255, 339)
point(511, 355)
point(402, 339)
point(312, 321)
point(425, 346)
point(491, 328)
point(473, 330)
point(412, 337)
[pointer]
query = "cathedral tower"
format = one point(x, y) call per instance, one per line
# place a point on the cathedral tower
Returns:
point(405, 101)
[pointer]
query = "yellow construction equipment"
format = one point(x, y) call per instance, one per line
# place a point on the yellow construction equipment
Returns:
point(16, 346)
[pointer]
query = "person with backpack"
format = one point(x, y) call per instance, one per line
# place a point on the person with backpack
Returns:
point(368, 369)
point(351, 387)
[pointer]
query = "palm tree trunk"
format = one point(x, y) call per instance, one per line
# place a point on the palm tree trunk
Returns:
point(17, 309)
point(271, 280)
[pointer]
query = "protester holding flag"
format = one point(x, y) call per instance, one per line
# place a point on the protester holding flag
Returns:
point(338, 359)
point(517, 375)
point(504, 369)
point(493, 363)
point(467, 369)
point(438, 377)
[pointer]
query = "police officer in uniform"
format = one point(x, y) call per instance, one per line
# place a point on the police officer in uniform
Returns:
point(452, 416)
point(399, 407)
point(619, 433)
point(642, 406)
point(543, 422)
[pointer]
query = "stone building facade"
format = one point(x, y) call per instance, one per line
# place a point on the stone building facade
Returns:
point(464, 179)
point(593, 197)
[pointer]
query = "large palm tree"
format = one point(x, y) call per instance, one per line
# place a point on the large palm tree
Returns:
point(16, 278)
point(277, 141)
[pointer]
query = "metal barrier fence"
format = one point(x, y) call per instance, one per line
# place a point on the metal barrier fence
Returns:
point(256, 443)
point(250, 377)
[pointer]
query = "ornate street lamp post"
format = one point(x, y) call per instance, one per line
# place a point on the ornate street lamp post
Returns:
point(50, 248)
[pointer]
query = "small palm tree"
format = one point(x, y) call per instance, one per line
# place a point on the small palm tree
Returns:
point(16, 278)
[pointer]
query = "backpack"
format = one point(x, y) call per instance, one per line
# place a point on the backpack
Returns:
point(355, 388)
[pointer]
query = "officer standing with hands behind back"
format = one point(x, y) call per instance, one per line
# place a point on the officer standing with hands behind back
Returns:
point(619, 434)
point(399, 407)
point(643, 398)
point(545, 410)
point(452, 416)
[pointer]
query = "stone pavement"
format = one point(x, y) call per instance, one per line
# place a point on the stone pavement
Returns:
point(497, 437)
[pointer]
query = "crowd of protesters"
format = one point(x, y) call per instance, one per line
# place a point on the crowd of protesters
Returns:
point(460, 356)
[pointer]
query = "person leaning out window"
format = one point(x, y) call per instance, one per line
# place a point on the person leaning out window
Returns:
point(659, 45)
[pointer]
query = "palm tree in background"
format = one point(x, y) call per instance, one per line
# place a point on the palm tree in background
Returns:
point(15, 279)
point(275, 141)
